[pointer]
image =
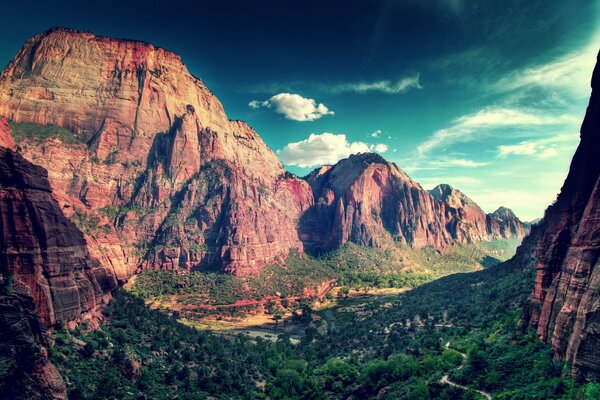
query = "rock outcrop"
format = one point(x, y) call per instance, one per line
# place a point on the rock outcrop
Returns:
point(152, 156)
point(473, 222)
point(42, 253)
point(26, 371)
point(564, 306)
point(366, 200)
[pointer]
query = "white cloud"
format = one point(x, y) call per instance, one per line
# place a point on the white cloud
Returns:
point(473, 126)
point(521, 149)
point(432, 164)
point(324, 148)
point(376, 134)
point(293, 107)
point(461, 162)
point(541, 148)
point(378, 148)
point(570, 73)
point(384, 86)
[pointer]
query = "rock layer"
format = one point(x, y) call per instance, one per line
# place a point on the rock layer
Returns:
point(154, 158)
point(42, 254)
point(564, 306)
point(366, 200)
point(142, 157)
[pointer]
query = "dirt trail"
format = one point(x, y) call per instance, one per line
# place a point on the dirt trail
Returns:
point(446, 380)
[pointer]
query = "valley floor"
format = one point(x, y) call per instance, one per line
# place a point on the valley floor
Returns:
point(370, 343)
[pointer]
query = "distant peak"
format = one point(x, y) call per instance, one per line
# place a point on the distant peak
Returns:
point(504, 213)
point(440, 191)
point(368, 158)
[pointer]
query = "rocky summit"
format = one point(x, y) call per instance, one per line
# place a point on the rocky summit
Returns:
point(153, 158)
point(366, 200)
point(144, 159)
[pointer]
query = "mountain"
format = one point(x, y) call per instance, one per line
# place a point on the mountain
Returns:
point(502, 223)
point(142, 157)
point(565, 302)
point(148, 152)
point(366, 200)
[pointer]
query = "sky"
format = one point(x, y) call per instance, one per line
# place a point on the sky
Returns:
point(487, 96)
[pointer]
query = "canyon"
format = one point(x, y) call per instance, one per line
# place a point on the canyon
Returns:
point(114, 159)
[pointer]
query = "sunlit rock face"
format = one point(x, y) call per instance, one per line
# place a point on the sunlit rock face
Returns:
point(173, 182)
point(565, 303)
point(366, 200)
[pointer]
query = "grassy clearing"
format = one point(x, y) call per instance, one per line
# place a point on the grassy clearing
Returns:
point(28, 131)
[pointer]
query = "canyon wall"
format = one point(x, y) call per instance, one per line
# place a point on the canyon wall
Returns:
point(42, 253)
point(564, 306)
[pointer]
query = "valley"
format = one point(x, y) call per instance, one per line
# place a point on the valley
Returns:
point(153, 248)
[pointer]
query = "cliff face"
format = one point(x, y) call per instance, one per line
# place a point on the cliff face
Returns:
point(366, 200)
point(565, 302)
point(27, 373)
point(152, 158)
point(42, 254)
point(472, 222)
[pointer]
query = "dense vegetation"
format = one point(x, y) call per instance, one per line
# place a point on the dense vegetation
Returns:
point(380, 350)
point(37, 133)
point(351, 266)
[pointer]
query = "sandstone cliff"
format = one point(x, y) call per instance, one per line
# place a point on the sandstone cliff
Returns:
point(152, 157)
point(473, 222)
point(366, 200)
point(565, 303)
point(42, 254)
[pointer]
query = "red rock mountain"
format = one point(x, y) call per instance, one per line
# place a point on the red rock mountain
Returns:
point(141, 156)
point(366, 200)
point(565, 303)
point(473, 221)
point(153, 158)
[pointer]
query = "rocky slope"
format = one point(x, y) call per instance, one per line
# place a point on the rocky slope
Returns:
point(42, 254)
point(565, 303)
point(366, 200)
point(473, 221)
point(152, 158)
point(26, 370)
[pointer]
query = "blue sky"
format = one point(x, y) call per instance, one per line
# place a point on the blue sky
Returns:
point(487, 96)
